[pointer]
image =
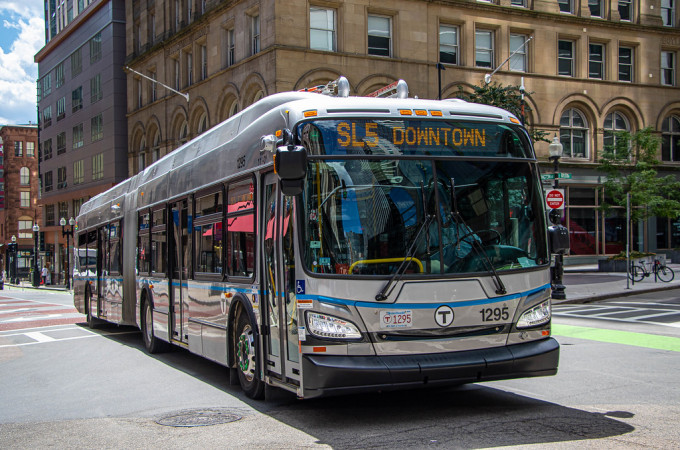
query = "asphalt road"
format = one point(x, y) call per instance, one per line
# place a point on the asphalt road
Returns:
point(66, 386)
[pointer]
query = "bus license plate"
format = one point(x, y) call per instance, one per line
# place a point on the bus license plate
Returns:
point(396, 319)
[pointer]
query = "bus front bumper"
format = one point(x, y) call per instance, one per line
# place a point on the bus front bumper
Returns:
point(334, 375)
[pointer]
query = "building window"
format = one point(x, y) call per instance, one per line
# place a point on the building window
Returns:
point(178, 15)
point(61, 108)
point(76, 63)
point(18, 148)
point(670, 139)
point(668, 13)
point(61, 177)
point(230, 47)
point(78, 172)
point(59, 75)
point(626, 10)
point(25, 199)
point(521, 3)
point(98, 166)
point(189, 12)
point(625, 64)
point(138, 88)
point(30, 149)
point(78, 136)
point(448, 44)
point(204, 62)
point(668, 68)
point(566, 6)
point(518, 61)
point(47, 149)
point(152, 87)
point(379, 36)
point(151, 27)
point(596, 61)
point(47, 116)
point(177, 73)
point(202, 123)
point(49, 216)
point(574, 134)
point(484, 48)
point(96, 88)
point(255, 34)
point(156, 149)
point(47, 85)
point(25, 230)
point(189, 60)
point(97, 127)
point(183, 133)
point(614, 123)
point(322, 29)
point(63, 210)
point(96, 48)
point(595, 7)
point(48, 181)
point(77, 99)
point(565, 59)
point(77, 203)
point(61, 143)
point(24, 176)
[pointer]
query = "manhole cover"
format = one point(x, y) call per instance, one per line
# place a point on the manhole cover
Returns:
point(198, 418)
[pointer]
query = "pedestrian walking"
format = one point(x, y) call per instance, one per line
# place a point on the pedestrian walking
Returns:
point(43, 275)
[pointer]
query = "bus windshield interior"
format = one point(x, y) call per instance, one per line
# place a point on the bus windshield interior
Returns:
point(366, 216)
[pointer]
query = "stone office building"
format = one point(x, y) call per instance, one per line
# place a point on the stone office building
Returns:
point(82, 107)
point(591, 68)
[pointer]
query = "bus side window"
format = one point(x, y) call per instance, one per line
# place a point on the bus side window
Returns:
point(241, 228)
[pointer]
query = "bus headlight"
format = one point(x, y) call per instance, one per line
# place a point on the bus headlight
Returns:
point(537, 315)
point(325, 326)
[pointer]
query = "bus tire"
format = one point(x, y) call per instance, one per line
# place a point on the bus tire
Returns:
point(245, 350)
point(151, 342)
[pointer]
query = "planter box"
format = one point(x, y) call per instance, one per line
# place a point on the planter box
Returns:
point(604, 265)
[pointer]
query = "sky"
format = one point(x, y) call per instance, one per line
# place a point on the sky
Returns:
point(22, 35)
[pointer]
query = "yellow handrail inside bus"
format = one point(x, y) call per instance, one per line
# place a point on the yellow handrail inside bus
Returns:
point(384, 260)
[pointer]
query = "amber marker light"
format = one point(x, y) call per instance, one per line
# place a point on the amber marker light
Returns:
point(421, 112)
point(436, 113)
point(513, 120)
point(311, 113)
point(405, 112)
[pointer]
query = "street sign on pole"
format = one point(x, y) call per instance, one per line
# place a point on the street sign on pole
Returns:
point(551, 176)
point(554, 198)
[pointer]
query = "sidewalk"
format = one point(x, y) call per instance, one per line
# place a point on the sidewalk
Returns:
point(585, 284)
point(28, 285)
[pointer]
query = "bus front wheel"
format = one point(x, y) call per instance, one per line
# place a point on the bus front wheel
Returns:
point(246, 357)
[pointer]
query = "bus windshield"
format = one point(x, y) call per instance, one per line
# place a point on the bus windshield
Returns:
point(366, 216)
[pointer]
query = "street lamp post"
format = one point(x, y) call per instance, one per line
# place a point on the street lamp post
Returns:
point(555, 151)
point(36, 270)
point(13, 266)
point(68, 233)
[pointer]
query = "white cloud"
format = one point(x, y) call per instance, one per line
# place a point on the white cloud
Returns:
point(18, 71)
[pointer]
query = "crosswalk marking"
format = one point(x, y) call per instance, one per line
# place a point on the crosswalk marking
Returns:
point(40, 337)
point(664, 314)
point(53, 334)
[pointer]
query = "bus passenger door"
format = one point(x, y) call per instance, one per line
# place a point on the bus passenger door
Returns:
point(278, 278)
point(179, 260)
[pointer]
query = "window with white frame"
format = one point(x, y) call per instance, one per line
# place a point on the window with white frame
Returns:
point(98, 166)
point(668, 13)
point(379, 35)
point(78, 136)
point(518, 61)
point(521, 3)
point(626, 64)
point(18, 148)
point(574, 133)
point(95, 88)
point(614, 122)
point(670, 139)
point(97, 127)
point(448, 44)
point(78, 172)
point(255, 34)
point(596, 61)
point(484, 48)
point(204, 61)
point(566, 6)
point(322, 28)
point(626, 10)
point(61, 108)
point(25, 229)
point(25, 199)
point(230, 47)
point(668, 68)
point(565, 58)
point(30, 149)
point(189, 68)
point(24, 176)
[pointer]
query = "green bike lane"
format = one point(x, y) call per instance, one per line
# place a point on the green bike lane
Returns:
point(636, 339)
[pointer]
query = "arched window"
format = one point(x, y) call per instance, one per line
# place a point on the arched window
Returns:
point(141, 157)
point(183, 133)
point(574, 134)
point(614, 123)
point(156, 149)
point(24, 176)
point(258, 96)
point(202, 123)
point(233, 109)
point(670, 139)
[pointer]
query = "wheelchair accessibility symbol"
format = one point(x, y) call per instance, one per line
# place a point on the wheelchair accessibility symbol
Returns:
point(299, 287)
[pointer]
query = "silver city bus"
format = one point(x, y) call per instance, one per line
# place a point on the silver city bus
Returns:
point(328, 244)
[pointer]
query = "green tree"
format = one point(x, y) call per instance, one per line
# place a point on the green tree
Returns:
point(630, 165)
point(506, 97)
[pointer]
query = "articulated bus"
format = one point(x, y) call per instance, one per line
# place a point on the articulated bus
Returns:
point(328, 244)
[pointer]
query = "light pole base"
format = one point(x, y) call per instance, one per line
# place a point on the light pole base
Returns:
point(558, 292)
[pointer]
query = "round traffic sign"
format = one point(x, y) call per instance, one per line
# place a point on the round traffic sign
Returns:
point(554, 199)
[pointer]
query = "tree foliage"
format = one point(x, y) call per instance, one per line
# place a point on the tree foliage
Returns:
point(506, 97)
point(630, 165)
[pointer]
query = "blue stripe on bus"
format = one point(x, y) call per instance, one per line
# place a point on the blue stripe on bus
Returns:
point(362, 304)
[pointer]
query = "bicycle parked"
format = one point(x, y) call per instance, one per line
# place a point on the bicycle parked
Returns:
point(641, 271)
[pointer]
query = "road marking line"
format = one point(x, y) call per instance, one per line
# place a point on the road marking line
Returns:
point(618, 337)
point(70, 338)
point(39, 337)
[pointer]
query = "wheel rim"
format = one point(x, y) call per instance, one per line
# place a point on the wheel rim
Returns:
point(148, 323)
point(245, 352)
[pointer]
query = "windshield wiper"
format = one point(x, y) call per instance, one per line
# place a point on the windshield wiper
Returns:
point(476, 245)
point(383, 294)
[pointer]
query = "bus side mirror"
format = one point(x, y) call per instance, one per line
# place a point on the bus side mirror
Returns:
point(290, 164)
point(558, 237)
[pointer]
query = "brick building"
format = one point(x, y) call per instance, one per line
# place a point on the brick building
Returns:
point(19, 205)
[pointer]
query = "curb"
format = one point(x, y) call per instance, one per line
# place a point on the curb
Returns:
point(54, 289)
point(599, 297)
